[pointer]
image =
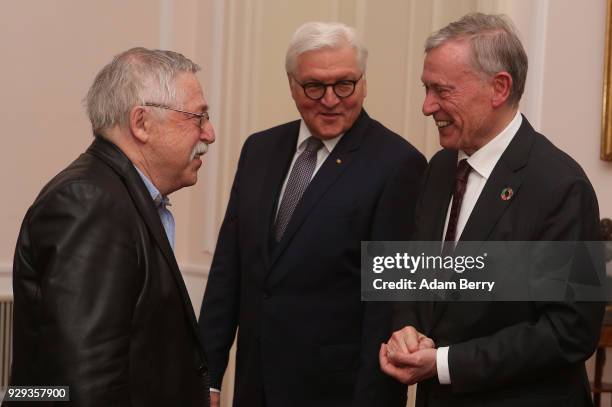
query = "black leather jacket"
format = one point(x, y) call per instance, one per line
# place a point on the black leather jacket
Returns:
point(100, 304)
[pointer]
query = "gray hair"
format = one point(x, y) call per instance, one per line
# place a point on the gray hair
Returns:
point(495, 47)
point(317, 35)
point(133, 78)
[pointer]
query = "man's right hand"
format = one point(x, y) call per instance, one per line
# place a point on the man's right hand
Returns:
point(215, 399)
point(408, 340)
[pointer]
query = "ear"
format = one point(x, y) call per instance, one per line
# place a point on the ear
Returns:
point(139, 124)
point(502, 84)
point(365, 86)
point(292, 86)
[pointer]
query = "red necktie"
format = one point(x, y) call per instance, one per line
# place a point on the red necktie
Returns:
point(461, 177)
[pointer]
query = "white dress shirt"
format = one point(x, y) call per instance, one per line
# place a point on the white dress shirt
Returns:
point(482, 162)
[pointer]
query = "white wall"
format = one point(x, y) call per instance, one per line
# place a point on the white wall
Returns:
point(573, 83)
point(563, 96)
point(52, 50)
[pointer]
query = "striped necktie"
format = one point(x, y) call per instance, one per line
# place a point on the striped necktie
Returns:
point(298, 181)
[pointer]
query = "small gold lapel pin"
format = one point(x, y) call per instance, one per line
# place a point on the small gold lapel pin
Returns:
point(506, 194)
point(338, 161)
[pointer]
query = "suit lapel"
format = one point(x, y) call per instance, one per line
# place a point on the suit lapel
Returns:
point(490, 206)
point(282, 152)
point(336, 163)
point(436, 196)
point(440, 189)
point(110, 154)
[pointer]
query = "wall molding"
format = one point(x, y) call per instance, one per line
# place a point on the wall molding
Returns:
point(6, 278)
point(6, 269)
point(213, 210)
point(537, 62)
point(166, 24)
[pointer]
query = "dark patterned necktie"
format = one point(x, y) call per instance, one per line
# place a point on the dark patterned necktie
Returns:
point(461, 177)
point(299, 178)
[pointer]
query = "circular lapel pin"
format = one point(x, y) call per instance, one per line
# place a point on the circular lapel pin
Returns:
point(506, 194)
point(338, 161)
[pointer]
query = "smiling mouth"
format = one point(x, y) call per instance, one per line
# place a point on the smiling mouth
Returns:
point(442, 123)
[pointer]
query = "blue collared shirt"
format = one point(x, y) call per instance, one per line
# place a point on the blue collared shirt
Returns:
point(161, 203)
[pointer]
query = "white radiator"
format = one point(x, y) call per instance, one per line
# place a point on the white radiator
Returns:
point(6, 341)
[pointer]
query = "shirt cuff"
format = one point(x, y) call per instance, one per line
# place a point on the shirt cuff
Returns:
point(442, 365)
point(213, 390)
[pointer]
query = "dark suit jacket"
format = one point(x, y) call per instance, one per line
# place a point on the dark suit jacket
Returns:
point(100, 304)
point(305, 338)
point(512, 354)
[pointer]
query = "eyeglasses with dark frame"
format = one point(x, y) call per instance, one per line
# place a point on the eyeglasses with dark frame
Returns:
point(203, 117)
point(316, 90)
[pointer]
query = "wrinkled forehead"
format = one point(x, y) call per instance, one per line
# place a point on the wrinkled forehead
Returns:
point(456, 51)
point(448, 59)
point(337, 60)
point(189, 91)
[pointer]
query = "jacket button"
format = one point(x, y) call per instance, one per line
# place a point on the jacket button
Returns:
point(202, 370)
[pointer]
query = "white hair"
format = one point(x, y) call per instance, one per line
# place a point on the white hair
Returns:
point(133, 78)
point(316, 35)
point(495, 47)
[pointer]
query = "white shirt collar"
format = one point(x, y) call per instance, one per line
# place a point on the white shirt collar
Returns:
point(329, 144)
point(484, 160)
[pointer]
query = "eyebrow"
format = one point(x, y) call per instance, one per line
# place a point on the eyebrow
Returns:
point(436, 85)
point(347, 77)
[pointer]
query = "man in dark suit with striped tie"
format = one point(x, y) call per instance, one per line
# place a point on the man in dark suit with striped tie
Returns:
point(286, 270)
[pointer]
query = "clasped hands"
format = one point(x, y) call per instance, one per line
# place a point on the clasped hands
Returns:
point(408, 356)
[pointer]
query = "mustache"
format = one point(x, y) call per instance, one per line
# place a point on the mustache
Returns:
point(200, 149)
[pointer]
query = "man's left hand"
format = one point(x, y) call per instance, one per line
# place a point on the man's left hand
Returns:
point(408, 368)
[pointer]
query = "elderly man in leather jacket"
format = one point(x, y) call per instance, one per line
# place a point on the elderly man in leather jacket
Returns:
point(100, 304)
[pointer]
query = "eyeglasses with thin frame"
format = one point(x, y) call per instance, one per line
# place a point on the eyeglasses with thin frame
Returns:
point(203, 117)
point(316, 90)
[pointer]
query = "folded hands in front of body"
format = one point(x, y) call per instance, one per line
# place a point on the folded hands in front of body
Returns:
point(408, 356)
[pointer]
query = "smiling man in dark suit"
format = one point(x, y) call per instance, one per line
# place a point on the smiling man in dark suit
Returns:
point(496, 179)
point(286, 270)
point(100, 304)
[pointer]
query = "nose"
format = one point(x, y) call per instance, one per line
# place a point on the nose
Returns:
point(329, 98)
point(207, 134)
point(430, 104)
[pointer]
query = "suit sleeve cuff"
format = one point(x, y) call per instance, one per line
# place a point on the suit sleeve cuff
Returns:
point(442, 365)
